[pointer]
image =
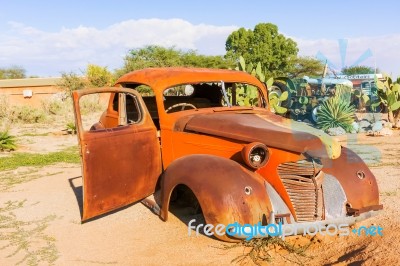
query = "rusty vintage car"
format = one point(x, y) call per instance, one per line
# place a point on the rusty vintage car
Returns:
point(210, 132)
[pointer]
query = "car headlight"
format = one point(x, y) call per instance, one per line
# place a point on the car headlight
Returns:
point(255, 154)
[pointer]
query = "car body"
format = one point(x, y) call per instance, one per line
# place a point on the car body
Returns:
point(211, 132)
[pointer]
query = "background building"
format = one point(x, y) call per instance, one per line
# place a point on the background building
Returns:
point(29, 91)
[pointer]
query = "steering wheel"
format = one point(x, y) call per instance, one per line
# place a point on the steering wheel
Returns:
point(180, 104)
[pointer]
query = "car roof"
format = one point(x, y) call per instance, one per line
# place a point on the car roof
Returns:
point(161, 78)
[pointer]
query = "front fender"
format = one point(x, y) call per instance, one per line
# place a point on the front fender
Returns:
point(227, 192)
point(358, 182)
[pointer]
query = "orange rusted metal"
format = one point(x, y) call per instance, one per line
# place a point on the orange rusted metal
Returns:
point(227, 199)
point(116, 171)
point(196, 141)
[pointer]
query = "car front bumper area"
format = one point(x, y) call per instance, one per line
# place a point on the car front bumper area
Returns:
point(334, 226)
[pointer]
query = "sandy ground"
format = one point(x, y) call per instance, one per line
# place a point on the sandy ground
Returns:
point(45, 227)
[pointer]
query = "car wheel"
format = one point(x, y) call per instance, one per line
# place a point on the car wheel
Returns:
point(277, 89)
point(314, 114)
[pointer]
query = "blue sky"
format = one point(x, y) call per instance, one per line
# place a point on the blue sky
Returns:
point(49, 37)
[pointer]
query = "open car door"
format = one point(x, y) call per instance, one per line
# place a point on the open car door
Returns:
point(120, 164)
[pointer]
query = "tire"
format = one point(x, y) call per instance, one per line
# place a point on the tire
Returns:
point(278, 88)
point(313, 115)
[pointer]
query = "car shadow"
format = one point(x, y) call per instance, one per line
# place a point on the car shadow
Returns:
point(189, 215)
point(186, 208)
point(180, 209)
point(78, 192)
point(77, 189)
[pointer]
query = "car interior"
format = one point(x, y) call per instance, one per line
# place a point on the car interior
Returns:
point(192, 96)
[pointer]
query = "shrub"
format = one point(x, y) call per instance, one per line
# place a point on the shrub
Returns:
point(344, 92)
point(90, 104)
point(57, 106)
point(99, 76)
point(71, 128)
point(259, 251)
point(52, 107)
point(4, 106)
point(27, 114)
point(71, 82)
point(7, 142)
point(335, 112)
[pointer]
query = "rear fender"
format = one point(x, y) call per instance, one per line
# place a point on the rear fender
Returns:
point(226, 191)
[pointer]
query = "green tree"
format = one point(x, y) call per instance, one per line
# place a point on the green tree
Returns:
point(192, 59)
point(71, 82)
point(13, 72)
point(99, 76)
point(354, 70)
point(158, 56)
point(306, 66)
point(264, 44)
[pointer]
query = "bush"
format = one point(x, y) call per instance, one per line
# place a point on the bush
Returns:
point(4, 106)
point(18, 113)
point(27, 114)
point(71, 128)
point(90, 104)
point(336, 112)
point(52, 107)
point(7, 142)
point(57, 106)
point(99, 76)
point(71, 82)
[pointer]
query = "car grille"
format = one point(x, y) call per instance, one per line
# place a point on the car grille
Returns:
point(303, 182)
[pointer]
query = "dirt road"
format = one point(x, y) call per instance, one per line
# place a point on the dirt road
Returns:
point(40, 221)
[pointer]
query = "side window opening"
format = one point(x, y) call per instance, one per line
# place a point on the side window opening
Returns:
point(133, 111)
point(92, 107)
point(149, 99)
point(126, 106)
point(244, 95)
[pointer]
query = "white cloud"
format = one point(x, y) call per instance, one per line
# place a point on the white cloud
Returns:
point(71, 49)
point(385, 51)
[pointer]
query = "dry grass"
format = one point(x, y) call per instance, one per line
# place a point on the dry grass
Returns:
point(260, 250)
point(50, 111)
point(9, 179)
point(17, 236)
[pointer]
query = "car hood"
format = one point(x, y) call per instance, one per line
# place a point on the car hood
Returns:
point(265, 127)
